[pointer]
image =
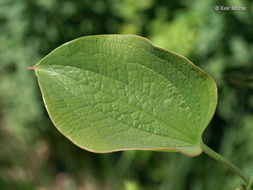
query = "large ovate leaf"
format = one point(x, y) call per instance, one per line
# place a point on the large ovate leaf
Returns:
point(119, 92)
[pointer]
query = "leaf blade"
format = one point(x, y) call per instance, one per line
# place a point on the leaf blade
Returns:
point(128, 94)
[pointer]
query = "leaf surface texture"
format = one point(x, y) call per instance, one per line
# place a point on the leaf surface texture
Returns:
point(119, 92)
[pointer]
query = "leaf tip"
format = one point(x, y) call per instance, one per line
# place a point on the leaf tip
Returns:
point(31, 68)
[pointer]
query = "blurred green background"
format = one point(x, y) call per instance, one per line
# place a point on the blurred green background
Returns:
point(34, 155)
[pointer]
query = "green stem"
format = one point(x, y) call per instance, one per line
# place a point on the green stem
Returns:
point(225, 161)
point(250, 186)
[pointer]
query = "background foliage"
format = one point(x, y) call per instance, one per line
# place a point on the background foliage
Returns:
point(34, 155)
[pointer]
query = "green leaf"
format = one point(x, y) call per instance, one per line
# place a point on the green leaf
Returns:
point(120, 92)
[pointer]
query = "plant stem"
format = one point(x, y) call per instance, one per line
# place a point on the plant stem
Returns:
point(250, 186)
point(225, 161)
